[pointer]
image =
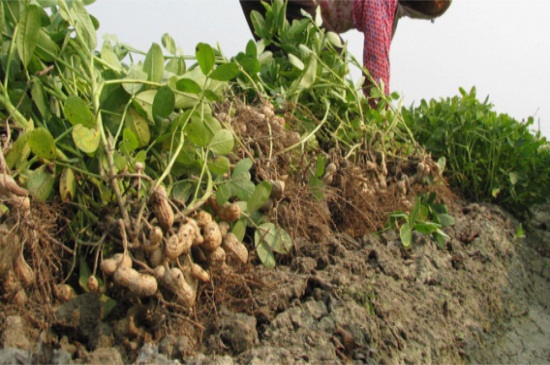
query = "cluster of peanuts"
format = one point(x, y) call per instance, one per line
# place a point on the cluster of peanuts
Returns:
point(167, 248)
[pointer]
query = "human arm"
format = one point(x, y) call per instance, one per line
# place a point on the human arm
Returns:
point(375, 19)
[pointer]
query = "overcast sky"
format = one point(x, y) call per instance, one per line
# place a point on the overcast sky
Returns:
point(500, 46)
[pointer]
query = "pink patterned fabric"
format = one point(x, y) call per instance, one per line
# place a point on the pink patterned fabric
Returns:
point(374, 18)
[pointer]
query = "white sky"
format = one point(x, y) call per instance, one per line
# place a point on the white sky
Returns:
point(500, 46)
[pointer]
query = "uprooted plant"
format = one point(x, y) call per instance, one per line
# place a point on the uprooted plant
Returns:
point(165, 176)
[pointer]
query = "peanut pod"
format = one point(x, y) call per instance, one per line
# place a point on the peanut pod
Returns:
point(212, 236)
point(162, 208)
point(229, 212)
point(23, 271)
point(199, 273)
point(217, 257)
point(145, 286)
point(109, 266)
point(185, 288)
point(233, 246)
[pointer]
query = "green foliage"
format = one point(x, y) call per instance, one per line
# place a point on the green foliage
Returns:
point(310, 67)
point(426, 217)
point(490, 156)
point(82, 120)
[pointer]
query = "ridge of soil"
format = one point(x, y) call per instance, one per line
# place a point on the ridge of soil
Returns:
point(485, 299)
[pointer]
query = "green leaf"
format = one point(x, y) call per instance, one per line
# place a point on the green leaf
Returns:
point(265, 255)
point(334, 39)
point(176, 66)
point(225, 72)
point(169, 44)
point(284, 242)
point(121, 162)
point(242, 188)
point(258, 22)
point(163, 104)
point(40, 184)
point(242, 168)
point(440, 238)
point(84, 273)
point(520, 233)
point(153, 65)
point(426, 228)
point(28, 33)
point(212, 96)
point(239, 229)
point(109, 56)
point(67, 185)
point(182, 190)
point(188, 86)
point(129, 141)
point(83, 24)
point(405, 232)
point(296, 62)
point(77, 112)
point(86, 139)
point(197, 132)
point(205, 57)
point(224, 193)
point(222, 142)
point(445, 220)
point(219, 166)
point(309, 76)
point(275, 238)
point(144, 103)
point(46, 49)
point(135, 74)
point(19, 151)
point(42, 143)
point(39, 98)
point(139, 127)
point(251, 49)
point(259, 197)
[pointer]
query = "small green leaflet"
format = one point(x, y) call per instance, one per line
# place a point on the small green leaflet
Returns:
point(139, 127)
point(129, 141)
point(135, 74)
point(225, 72)
point(19, 152)
point(188, 86)
point(222, 142)
point(405, 232)
point(109, 56)
point(77, 112)
point(153, 65)
point(28, 33)
point(83, 24)
point(42, 143)
point(296, 62)
point(40, 183)
point(205, 57)
point(46, 49)
point(269, 238)
point(86, 139)
point(163, 103)
point(220, 165)
point(168, 43)
point(259, 197)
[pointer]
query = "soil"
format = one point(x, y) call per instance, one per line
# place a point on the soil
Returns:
point(485, 298)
